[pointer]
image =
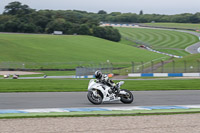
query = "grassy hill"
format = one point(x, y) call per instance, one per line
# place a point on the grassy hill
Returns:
point(32, 48)
point(172, 42)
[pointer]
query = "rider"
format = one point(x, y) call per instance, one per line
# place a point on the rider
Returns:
point(105, 80)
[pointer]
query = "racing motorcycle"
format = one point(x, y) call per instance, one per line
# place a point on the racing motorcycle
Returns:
point(98, 93)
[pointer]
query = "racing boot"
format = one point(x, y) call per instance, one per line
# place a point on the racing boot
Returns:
point(116, 89)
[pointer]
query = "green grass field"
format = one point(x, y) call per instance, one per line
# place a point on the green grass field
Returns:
point(34, 50)
point(175, 25)
point(172, 42)
point(190, 63)
point(64, 85)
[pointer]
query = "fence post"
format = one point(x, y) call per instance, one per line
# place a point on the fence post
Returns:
point(132, 67)
point(142, 66)
point(152, 66)
point(162, 67)
point(100, 66)
point(111, 67)
point(104, 67)
point(89, 69)
point(173, 67)
point(185, 66)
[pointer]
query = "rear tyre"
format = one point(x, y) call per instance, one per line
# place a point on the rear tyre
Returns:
point(94, 99)
point(128, 98)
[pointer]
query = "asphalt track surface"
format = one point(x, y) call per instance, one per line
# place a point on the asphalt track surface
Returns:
point(192, 49)
point(79, 99)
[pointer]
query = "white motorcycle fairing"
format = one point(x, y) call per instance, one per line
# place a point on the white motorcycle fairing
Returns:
point(104, 89)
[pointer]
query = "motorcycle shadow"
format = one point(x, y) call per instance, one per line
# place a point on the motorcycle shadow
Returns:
point(114, 102)
point(110, 103)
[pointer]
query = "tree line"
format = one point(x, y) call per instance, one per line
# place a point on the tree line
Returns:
point(21, 18)
point(118, 17)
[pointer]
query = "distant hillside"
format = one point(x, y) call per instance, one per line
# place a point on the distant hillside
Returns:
point(67, 48)
point(171, 42)
point(175, 25)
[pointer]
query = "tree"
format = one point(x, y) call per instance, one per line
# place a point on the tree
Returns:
point(141, 12)
point(16, 8)
point(99, 32)
point(102, 12)
point(112, 34)
point(56, 25)
point(28, 28)
point(60, 24)
point(40, 20)
point(84, 30)
point(115, 13)
point(195, 18)
point(5, 18)
point(12, 25)
point(108, 33)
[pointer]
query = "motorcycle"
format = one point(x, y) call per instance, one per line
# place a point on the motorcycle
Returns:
point(98, 93)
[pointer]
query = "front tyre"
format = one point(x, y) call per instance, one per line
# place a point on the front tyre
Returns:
point(127, 98)
point(94, 99)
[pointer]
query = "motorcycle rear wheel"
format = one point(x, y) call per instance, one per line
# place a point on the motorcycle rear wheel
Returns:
point(94, 99)
point(127, 99)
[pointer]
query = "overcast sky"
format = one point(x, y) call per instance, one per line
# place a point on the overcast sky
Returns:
point(125, 6)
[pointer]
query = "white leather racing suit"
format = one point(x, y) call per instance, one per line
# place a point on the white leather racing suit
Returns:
point(105, 80)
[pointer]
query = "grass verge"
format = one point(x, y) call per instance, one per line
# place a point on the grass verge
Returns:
point(100, 113)
point(73, 85)
point(51, 73)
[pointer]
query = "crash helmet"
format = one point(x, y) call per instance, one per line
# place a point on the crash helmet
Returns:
point(98, 74)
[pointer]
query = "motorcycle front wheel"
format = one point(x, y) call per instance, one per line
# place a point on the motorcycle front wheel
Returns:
point(94, 99)
point(128, 98)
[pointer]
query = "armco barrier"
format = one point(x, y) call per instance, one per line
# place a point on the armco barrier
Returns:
point(91, 76)
point(175, 74)
point(164, 75)
point(87, 76)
